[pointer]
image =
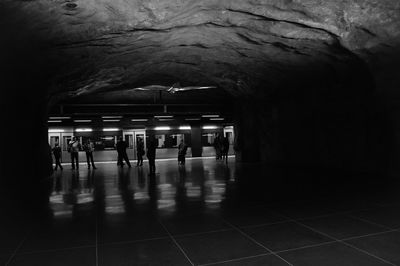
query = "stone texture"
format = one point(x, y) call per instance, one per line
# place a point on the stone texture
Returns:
point(244, 47)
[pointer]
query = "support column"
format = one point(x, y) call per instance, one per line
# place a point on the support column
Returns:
point(197, 148)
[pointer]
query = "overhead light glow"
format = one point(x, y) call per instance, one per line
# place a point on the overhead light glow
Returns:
point(163, 116)
point(111, 120)
point(217, 119)
point(59, 117)
point(110, 129)
point(210, 127)
point(108, 117)
point(55, 130)
point(162, 128)
point(165, 119)
point(192, 119)
point(54, 121)
point(82, 120)
point(139, 120)
point(83, 130)
point(210, 116)
point(185, 128)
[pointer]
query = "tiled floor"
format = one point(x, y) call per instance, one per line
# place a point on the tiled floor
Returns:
point(206, 213)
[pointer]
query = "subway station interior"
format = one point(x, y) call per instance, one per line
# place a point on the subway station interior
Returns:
point(306, 93)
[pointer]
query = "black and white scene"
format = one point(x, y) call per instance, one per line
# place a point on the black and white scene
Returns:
point(199, 132)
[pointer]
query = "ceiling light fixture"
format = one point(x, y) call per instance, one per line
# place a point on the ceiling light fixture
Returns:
point(162, 128)
point(139, 120)
point(192, 119)
point(110, 129)
point(59, 117)
point(83, 130)
point(54, 121)
point(209, 127)
point(82, 120)
point(56, 130)
point(185, 128)
point(111, 120)
point(217, 119)
point(208, 116)
point(163, 116)
point(107, 117)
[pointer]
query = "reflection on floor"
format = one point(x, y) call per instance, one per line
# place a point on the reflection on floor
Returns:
point(208, 213)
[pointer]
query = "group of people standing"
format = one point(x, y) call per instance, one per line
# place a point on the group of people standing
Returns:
point(221, 146)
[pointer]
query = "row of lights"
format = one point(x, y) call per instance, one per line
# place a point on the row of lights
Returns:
point(58, 119)
point(162, 128)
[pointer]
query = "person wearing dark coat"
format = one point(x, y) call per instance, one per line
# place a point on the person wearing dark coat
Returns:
point(225, 149)
point(151, 154)
point(57, 155)
point(140, 152)
point(122, 155)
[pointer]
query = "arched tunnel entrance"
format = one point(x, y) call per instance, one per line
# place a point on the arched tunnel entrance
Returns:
point(308, 93)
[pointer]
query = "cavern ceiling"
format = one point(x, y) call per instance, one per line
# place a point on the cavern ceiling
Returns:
point(242, 47)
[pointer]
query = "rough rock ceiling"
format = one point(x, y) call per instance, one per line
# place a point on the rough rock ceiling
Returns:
point(245, 47)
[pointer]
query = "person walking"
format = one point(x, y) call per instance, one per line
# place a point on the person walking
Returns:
point(182, 148)
point(140, 152)
point(122, 155)
point(151, 154)
point(73, 147)
point(89, 149)
point(218, 147)
point(57, 155)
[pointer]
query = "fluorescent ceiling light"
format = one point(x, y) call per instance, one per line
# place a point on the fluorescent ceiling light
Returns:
point(162, 128)
point(210, 127)
point(163, 116)
point(54, 121)
point(192, 119)
point(210, 116)
point(83, 130)
point(83, 120)
point(108, 138)
point(184, 127)
point(165, 119)
point(110, 129)
point(111, 120)
point(217, 119)
point(107, 117)
point(138, 120)
point(54, 130)
point(59, 117)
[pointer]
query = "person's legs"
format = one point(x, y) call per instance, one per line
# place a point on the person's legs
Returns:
point(138, 159)
point(88, 159)
point(72, 160)
point(76, 155)
point(125, 156)
point(183, 159)
point(120, 163)
point(91, 160)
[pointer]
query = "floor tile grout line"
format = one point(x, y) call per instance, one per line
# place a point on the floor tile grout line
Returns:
point(15, 251)
point(176, 243)
point(343, 242)
point(238, 259)
point(370, 222)
point(202, 233)
point(300, 248)
point(256, 242)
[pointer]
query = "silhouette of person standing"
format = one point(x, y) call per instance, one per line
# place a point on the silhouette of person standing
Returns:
point(225, 149)
point(74, 146)
point(140, 152)
point(121, 150)
point(89, 148)
point(182, 148)
point(57, 156)
point(151, 154)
